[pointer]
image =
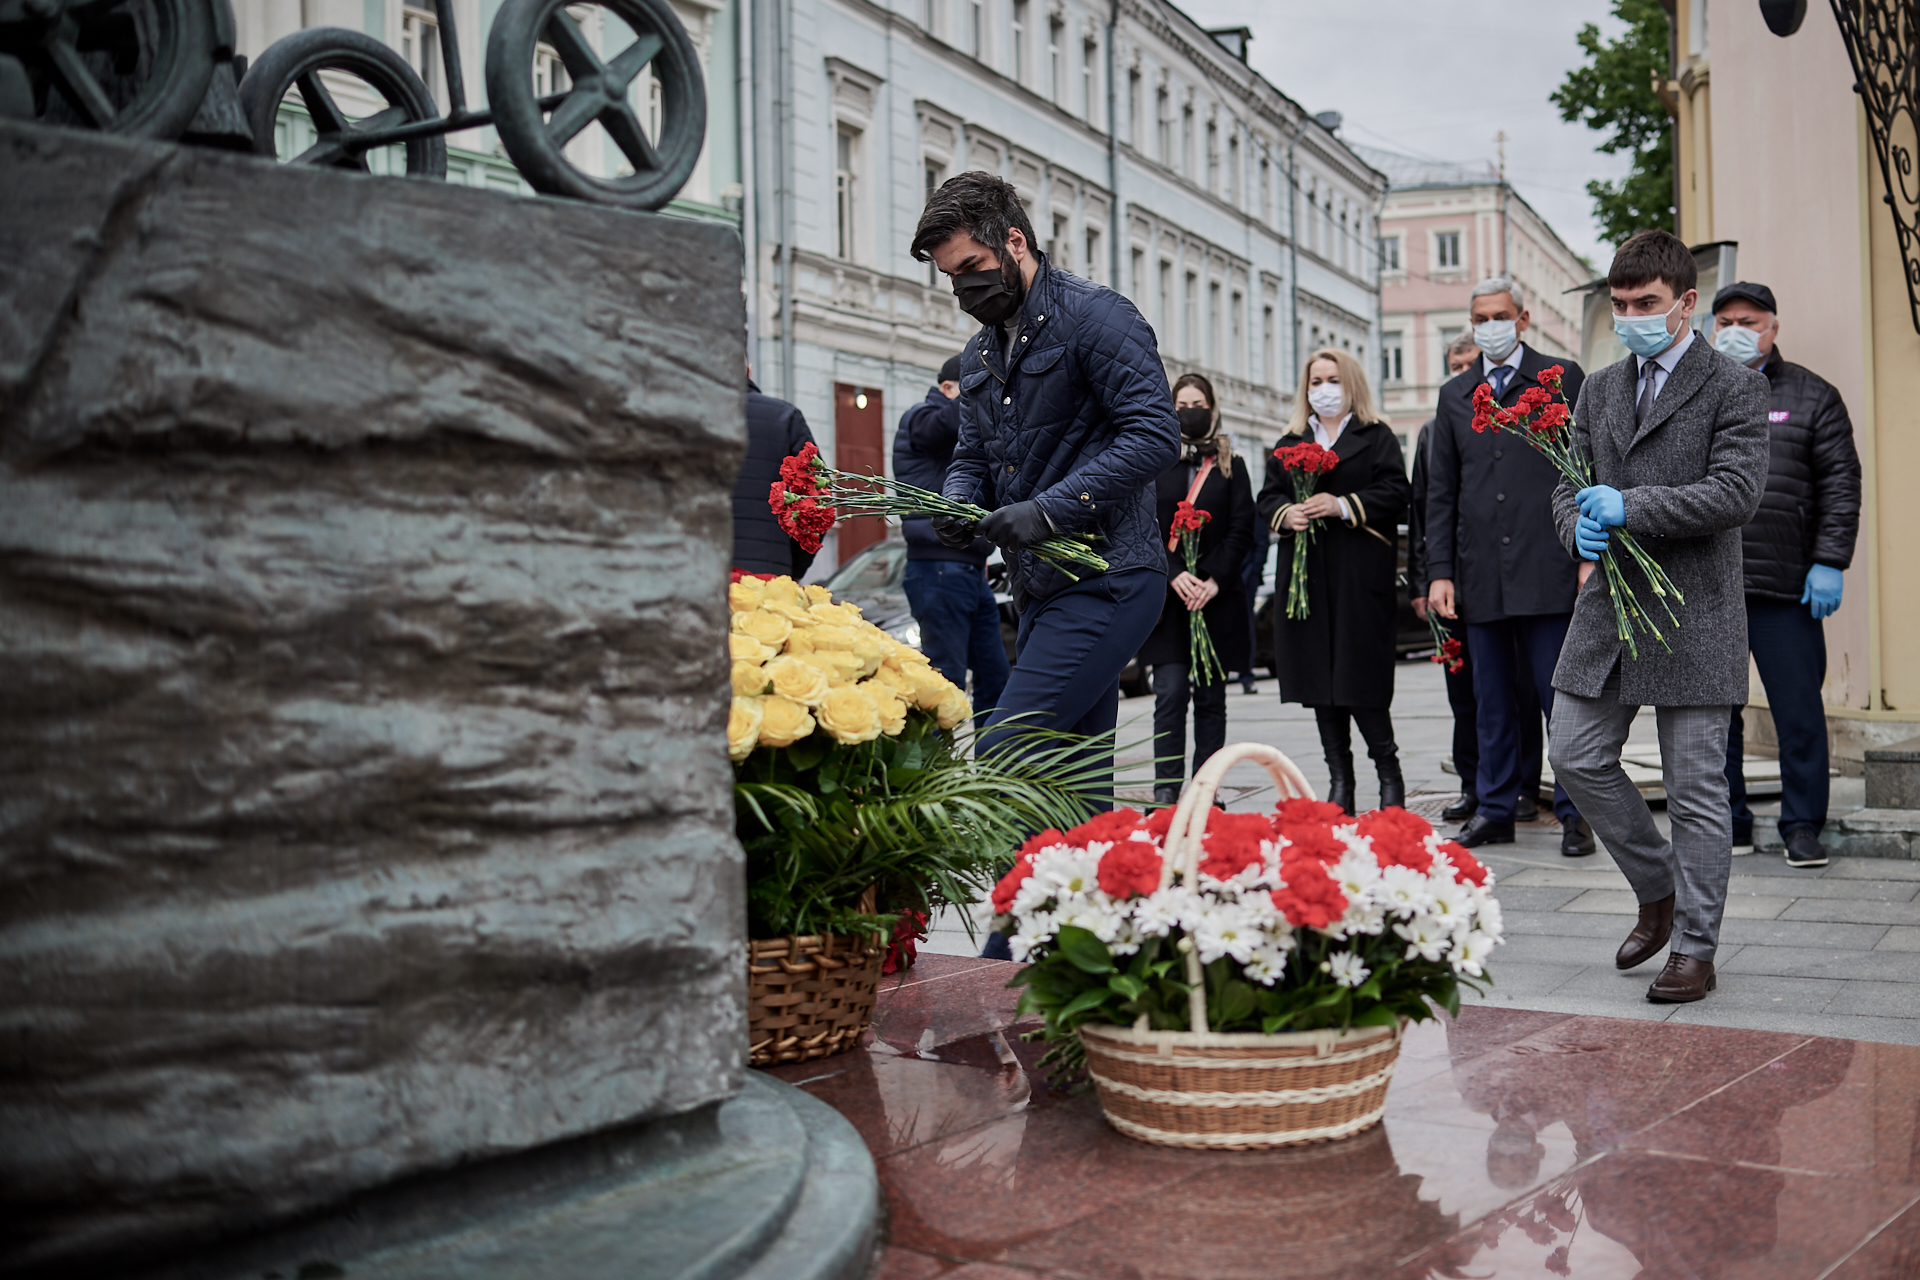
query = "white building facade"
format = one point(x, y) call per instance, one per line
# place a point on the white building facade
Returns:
point(1150, 157)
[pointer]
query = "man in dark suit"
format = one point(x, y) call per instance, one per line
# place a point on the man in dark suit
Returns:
point(1494, 562)
point(1678, 437)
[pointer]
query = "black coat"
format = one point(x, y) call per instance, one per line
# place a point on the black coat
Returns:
point(1225, 540)
point(922, 450)
point(1417, 577)
point(1810, 512)
point(775, 431)
point(1489, 517)
point(1342, 652)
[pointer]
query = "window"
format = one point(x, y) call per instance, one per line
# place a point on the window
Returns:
point(1092, 261)
point(1341, 251)
point(1192, 344)
point(1166, 300)
point(847, 143)
point(420, 45)
point(1166, 128)
point(1446, 251)
point(1215, 352)
point(1392, 368)
point(1186, 140)
point(1268, 368)
point(1135, 134)
point(1232, 363)
point(1060, 247)
point(1089, 79)
point(1233, 168)
point(549, 73)
point(1213, 157)
point(1139, 275)
point(1056, 70)
point(1390, 253)
point(976, 27)
point(936, 174)
point(930, 14)
point(1020, 8)
point(1266, 190)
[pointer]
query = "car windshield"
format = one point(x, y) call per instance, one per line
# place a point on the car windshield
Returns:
point(878, 568)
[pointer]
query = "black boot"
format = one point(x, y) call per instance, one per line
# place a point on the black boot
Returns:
point(1336, 742)
point(1393, 787)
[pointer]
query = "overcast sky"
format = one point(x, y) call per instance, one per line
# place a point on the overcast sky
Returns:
point(1439, 81)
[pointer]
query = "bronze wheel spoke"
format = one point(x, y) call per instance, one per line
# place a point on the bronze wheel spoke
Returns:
point(576, 113)
point(328, 118)
point(624, 127)
point(564, 34)
point(634, 58)
point(77, 83)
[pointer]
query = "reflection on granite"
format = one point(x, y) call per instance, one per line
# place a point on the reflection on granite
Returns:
point(1516, 1144)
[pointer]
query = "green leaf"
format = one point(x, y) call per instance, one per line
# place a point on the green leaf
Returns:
point(1235, 1003)
point(1378, 1016)
point(1084, 1001)
point(1127, 986)
point(1084, 951)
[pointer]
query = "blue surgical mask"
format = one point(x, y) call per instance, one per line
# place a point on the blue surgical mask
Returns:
point(1645, 336)
point(1737, 342)
point(1497, 338)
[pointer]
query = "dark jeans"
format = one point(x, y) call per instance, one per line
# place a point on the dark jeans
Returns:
point(1376, 730)
point(959, 625)
point(1790, 648)
point(1066, 676)
point(1466, 728)
point(1503, 653)
point(1171, 692)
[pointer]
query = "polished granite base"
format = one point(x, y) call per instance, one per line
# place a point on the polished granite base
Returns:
point(1516, 1144)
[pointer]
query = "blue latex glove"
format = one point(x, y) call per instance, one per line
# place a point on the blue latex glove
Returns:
point(1590, 536)
point(1824, 584)
point(1602, 504)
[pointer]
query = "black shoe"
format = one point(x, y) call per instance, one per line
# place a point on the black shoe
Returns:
point(1248, 686)
point(1340, 792)
point(1527, 807)
point(1460, 810)
point(1337, 746)
point(1393, 786)
point(1804, 848)
point(1479, 831)
point(1166, 794)
point(1576, 838)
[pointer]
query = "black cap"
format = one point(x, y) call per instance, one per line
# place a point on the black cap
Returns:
point(1758, 294)
point(950, 371)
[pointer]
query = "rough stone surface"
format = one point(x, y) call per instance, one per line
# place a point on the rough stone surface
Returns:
point(364, 804)
point(1893, 776)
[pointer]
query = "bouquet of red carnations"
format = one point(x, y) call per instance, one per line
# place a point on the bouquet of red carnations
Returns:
point(1541, 418)
point(1446, 649)
point(1203, 659)
point(810, 496)
point(1305, 462)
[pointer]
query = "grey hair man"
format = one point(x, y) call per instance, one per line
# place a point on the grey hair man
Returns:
point(1494, 563)
point(1678, 437)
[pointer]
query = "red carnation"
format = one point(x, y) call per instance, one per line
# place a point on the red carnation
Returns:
point(1534, 398)
point(1129, 869)
point(1186, 517)
point(1105, 828)
point(1399, 838)
point(1300, 810)
point(798, 470)
point(1465, 865)
point(1551, 375)
point(1160, 821)
point(1307, 456)
point(1232, 843)
point(1310, 842)
point(1450, 654)
point(1010, 883)
point(1044, 840)
point(1310, 899)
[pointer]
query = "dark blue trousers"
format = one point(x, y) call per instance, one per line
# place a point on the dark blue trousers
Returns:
point(1466, 727)
point(1066, 674)
point(1503, 653)
point(959, 625)
point(1790, 648)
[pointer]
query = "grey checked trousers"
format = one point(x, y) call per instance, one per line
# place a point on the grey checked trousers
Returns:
point(1585, 742)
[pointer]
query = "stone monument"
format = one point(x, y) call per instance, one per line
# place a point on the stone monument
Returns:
point(365, 815)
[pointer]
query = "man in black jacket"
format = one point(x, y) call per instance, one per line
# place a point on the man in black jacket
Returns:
point(775, 431)
point(1495, 561)
point(1795, 550)
point(947, 586)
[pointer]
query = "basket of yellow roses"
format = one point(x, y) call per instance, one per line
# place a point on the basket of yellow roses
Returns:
point(859, 797)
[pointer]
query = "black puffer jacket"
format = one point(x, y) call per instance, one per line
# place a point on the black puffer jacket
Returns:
point(1810, 511)
point(775, 431)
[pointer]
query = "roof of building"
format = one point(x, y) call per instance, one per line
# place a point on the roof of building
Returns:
point(1413, 171)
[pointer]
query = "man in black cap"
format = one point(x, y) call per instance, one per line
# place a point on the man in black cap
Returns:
point(947, 587)
point(1795, 550)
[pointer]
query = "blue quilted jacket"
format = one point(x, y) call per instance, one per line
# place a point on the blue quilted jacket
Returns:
point(1079, 419)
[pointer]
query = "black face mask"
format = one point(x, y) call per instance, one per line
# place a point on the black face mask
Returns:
point(986, 295)
point(1196, 423)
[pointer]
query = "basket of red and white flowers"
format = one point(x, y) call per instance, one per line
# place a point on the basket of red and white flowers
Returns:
point(1243, 980)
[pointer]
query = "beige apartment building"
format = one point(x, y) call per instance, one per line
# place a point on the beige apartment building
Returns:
point(1444, 228)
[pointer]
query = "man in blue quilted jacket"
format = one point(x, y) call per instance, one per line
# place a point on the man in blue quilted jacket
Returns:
point(1065, 425)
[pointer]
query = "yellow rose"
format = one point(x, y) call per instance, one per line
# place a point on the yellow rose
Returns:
point(850, 715)
point(749, 679)
point(834, 615)
point(745, 595)
point(797, 679)
point(817, 594)
point(821, 639)
point(770, 629)
point(869, 653)
point(953, 709)
point(783, 722)
point(785, 598)
point(893, 711)
point(839, 668)
point(929, 686)
point(895, 679)
point(744, 648)
point(743, 727)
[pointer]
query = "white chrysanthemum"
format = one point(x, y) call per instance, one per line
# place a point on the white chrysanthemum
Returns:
point(1126, 934)
point(1426, 937)
point(1267, 965)
point(1363, 916)
point(1469, 952)
point(1028, 939)
point(1095, 914)
point(1159, 913)
point(1346, 968)
point(1452, 905)
point(1487, 919)
point(1404, 891)
point(1073, 872)
point(1357, 874)
point(1224, 930)
point(1033, 896)
point(1442, 868)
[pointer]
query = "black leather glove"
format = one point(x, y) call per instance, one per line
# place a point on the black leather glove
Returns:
point(955, 532)
point(1016, 527)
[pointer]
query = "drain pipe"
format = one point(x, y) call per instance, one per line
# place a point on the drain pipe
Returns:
point(749, 176)
point(783, 156)
point(1293, 254)
point(1113, 150)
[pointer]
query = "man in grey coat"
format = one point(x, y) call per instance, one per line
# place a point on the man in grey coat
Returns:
point(1678, 437)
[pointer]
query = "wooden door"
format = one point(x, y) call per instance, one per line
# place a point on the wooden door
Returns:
point(858, 446)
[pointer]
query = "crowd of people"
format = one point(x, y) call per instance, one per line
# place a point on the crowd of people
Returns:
point(1732, 467)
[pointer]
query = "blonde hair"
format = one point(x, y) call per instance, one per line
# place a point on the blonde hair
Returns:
point(1353, 380)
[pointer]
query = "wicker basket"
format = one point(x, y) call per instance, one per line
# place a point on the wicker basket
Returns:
point(809, 996)
point(1238, 1090)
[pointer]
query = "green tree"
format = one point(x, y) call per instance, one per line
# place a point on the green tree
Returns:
point(1613, 92)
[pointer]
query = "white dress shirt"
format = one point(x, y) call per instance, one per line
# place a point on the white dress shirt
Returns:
point(1488, 364)
point(1662, 365)
point(1325, 439)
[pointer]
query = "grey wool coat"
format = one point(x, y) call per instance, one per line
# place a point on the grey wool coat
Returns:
point(1689, 479)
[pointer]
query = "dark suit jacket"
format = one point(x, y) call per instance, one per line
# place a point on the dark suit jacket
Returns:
point(1490, 506)
point(1224, 542)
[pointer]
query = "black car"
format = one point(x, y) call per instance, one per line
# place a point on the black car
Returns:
point(873, 578)
point(1412, 638)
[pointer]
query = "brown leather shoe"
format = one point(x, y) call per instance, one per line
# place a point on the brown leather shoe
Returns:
point(1683, 980)
point(1651, 934)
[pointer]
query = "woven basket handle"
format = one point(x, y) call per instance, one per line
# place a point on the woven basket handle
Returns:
point(1189, 829)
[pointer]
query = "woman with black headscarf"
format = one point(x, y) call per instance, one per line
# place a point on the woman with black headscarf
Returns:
point(1215, 482)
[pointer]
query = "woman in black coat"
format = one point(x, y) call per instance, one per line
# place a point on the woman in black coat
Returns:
point(1339, 658)
point(1217, 589)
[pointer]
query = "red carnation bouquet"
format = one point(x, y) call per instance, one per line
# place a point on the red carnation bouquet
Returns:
point(810, 496)
point(1203, 660)
point(1541, 418)
point(1446, 649)
point(1305, 462)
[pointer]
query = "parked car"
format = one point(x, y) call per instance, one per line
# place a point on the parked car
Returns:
point(873, 578)
point(1411, 635)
